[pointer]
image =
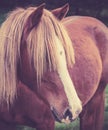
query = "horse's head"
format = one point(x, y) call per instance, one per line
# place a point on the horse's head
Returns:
point(37, 46)
point(48, 50)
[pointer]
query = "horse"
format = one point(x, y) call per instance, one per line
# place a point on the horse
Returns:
point(73, 59)
point(34, 61)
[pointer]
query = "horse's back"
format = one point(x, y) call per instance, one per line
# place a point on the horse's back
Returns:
point(90, 41)
point(82, 27)
point(80, 30)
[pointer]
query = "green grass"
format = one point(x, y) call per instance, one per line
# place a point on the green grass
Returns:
point(106, 110)
point(24, 128)
point(106, 100)
point(72, 126)
point(58, 126)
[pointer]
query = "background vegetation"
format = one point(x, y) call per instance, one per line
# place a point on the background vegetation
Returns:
point(95, 8)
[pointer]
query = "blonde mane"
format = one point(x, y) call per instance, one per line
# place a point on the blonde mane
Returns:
point(41, 47)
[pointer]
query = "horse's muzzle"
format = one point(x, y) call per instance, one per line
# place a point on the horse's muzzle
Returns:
point(65, 118)
point(68, 114)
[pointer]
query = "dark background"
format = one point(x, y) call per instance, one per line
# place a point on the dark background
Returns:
point(95, 8)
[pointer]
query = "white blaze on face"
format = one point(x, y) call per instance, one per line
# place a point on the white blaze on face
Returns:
point(73, 99)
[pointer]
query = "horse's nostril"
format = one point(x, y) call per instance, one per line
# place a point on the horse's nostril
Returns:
point(68, 114)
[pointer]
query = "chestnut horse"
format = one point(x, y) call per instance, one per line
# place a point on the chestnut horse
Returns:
point(34, 78)
point(36, 52)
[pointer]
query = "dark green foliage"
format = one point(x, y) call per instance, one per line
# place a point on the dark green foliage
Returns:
point(3, 14)
point(95, 8)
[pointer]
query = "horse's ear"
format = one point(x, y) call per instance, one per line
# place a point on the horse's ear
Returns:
point(35, 17)
point(60, 13)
